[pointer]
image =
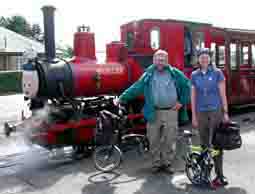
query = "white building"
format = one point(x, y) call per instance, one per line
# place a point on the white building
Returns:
point(12, 48)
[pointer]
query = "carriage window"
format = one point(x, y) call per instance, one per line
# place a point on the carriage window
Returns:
point(253, 54)
point(233, 56)
point(188, 48)
point(222, 59)
point(199, 40)
point(245, 55)
point(155, 38)
point(130, 40)
point(213, 52)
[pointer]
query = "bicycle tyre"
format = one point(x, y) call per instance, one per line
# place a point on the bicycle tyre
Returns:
point(192, 168)
point(137, 142)
point(111, 158)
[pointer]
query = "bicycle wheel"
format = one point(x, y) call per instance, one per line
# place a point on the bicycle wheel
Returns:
point(107, 158)
point(193, 169)
point(135, 142)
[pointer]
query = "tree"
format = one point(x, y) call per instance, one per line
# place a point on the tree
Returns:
point(19, 25)
point(3, 22)
point(66, 51)
point(36, 31)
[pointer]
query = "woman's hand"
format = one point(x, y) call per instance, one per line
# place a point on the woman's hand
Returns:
point(194, 122)
point(226, 118)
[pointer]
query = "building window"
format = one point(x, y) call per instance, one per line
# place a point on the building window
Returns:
point(233, 63)
point(155, 38)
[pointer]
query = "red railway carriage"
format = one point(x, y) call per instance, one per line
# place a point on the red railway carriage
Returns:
point(233, 50)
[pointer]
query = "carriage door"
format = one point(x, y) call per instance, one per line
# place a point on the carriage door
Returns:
point(225, 58)
point(233, 82)
point(239, 78)
point(246, 73)
point(252, 72)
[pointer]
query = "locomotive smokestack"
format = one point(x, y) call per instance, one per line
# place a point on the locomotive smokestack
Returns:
point(49, 32)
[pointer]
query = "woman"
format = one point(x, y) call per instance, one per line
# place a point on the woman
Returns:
point(209, 105)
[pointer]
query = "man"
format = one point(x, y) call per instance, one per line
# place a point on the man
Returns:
point(166, 91)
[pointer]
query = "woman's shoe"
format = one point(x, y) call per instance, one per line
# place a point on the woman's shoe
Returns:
point(224, 180)
point(219, 182)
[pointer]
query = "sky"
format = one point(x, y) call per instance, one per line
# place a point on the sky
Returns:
point(105, 16)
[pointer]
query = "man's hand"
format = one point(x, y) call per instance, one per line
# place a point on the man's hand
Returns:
point(177, 106)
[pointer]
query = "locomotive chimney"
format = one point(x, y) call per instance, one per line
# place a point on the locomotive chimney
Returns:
point(49, 32)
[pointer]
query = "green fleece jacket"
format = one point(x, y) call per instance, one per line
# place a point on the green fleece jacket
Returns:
point(143, 87)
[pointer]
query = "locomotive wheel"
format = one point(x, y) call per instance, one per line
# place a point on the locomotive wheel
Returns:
point(81, 151)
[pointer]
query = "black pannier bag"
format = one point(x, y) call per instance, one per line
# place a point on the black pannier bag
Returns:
point(227, 136)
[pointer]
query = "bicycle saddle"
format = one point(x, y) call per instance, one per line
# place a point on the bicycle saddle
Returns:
point(187, 133)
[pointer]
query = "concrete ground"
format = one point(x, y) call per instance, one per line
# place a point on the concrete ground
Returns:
point(38, 175)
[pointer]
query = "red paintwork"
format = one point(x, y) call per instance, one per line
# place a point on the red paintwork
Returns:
point(84, 45)
point(111, 77)
point(84, 131)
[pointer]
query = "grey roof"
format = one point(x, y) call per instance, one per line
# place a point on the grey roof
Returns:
point(15, 42)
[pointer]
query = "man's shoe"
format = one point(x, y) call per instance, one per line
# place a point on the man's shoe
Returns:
point(156, 169)
point(168, 168)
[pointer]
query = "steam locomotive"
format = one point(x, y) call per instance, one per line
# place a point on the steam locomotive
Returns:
point(74, 91)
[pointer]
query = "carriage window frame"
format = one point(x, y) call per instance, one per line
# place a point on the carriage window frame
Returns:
point(152, 38)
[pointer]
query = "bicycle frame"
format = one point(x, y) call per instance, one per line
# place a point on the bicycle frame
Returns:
point(199, 149)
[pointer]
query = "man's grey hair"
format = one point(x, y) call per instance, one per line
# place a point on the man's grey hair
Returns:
point(160, 51)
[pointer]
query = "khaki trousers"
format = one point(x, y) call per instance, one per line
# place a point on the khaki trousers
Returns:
point(162, 136)
point(207, 123)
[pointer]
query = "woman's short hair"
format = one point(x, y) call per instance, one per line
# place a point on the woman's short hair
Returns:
point(204, 51)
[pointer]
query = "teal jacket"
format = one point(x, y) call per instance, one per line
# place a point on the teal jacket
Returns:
point(143, 86)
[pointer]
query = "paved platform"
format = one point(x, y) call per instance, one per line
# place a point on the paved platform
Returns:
point(38, 175)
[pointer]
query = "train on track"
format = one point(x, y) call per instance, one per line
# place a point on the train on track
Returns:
point(77, 89)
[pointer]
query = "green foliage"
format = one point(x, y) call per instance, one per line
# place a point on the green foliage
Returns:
point(10, 82)
point(66, 51)
point(20, 25)
point(36, 32)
